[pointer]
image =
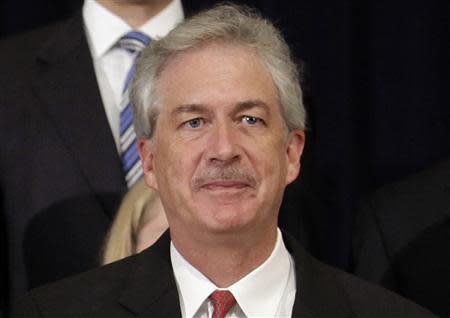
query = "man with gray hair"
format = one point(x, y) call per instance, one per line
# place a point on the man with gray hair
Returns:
point(220, 121)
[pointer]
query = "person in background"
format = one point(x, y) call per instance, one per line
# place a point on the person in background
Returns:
point(220, 121)
point(139, 222)
point(401, 238)
point(62, 92)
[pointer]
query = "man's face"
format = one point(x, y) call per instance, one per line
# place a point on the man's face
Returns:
point(220, 155)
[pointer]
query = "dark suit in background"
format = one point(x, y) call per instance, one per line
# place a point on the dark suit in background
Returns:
point(60, 173)
point(143, 285)
point(402, 238)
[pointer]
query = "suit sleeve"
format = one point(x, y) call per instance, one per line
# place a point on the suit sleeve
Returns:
point(371, 259)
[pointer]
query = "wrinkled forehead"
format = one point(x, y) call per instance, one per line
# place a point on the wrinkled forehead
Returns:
point(216, 73)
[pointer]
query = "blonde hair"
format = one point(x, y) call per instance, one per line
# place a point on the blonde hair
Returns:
point(133, 214)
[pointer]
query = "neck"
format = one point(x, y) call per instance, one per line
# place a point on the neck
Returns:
point(135, 12)
point(225, 259)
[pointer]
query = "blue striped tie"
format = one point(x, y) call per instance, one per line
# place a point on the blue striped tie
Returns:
point(133, 42)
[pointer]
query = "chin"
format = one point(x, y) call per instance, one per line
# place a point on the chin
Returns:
point(227, 214)
point(230, 221)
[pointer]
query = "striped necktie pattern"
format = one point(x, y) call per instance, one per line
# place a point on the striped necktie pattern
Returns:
point(133, 42)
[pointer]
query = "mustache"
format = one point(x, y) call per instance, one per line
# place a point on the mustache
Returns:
point(229, 173)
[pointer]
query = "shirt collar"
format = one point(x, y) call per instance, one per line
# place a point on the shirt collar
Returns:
point(193, 286)
point(104, 28)
point(258, 294)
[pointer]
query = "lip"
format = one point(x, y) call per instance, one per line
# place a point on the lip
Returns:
point(225, 185)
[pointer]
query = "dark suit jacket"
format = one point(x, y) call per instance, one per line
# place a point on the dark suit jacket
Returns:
point(402, 238)
point(60, 174)
point(144, 286)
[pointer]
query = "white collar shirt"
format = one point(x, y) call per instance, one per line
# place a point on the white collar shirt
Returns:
point(267, 291)
point(111, 64)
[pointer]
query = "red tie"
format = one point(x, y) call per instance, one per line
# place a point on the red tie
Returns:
point(222, 300)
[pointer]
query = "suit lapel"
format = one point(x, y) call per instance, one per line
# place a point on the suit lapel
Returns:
point(151, 290)
point(318, 292)
point(68, 91)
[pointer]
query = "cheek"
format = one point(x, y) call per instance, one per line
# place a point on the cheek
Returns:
point(175, 164)
point(270, 157)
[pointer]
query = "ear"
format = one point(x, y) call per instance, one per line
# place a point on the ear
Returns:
point(294, 150)
point(145, 147)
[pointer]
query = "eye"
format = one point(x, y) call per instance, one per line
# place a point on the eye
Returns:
point(250, 120)
point(194, 123)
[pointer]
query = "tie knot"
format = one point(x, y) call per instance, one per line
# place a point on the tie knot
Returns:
point(222, 300)
point(134, 42)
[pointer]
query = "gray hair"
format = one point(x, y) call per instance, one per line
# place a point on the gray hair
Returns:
point(228, 23)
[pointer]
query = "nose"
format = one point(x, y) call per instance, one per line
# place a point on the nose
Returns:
point(223, 145)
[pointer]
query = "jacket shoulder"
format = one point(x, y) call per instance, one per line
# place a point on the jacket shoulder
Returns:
point(81, 295)
point(370, 300)
point(411, 195)
point(331, 292)
point(28, 43)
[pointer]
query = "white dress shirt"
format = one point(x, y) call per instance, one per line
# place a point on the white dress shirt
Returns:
point(103, 29)
point(267, 291)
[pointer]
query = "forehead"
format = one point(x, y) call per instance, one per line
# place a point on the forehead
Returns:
point(216, 74)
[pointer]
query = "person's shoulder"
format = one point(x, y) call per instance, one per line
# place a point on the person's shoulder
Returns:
point(19, 56)
point(370, 300)
point(22, 47)
point(416, 186)
point(366, 299)
point(330, 290)
point(411, 196)
point(114, 290)
point(78, 295)
point(27, 42)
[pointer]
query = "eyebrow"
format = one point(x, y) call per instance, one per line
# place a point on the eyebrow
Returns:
point(240, 107)
point(250, 104)
point(190, 108)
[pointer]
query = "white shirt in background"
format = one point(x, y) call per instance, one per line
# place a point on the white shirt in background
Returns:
point(111, 64)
